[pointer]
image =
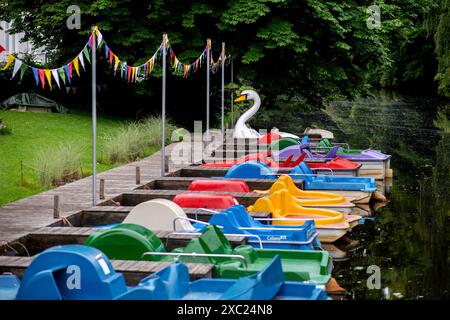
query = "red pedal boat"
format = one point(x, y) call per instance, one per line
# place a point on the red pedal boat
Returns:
point(199, 200)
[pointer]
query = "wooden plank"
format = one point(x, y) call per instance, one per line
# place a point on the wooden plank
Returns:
point(47, 237)
point(133, 271)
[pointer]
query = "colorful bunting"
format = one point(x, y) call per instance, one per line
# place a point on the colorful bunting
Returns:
point(42, 77)
point(128, 73)
point(9, 62)
point(48, 75)
point(23, 70)
point(17, 66)
point(56, 77)
point(75, 65)
point(36, 75)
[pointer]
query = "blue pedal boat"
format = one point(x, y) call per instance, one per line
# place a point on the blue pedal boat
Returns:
point(327, 182)
point(77, 272)
point(258, 170)
point(236, 220)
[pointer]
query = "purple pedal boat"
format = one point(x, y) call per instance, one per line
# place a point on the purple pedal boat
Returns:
point(373, 163)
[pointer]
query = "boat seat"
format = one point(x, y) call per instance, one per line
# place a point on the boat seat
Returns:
point(219, 185)
point(249, 170)
point(283, 205)
point(262, 286)
point(204, 200)
point(158, 214)
point(126, 242)
point(52, 276)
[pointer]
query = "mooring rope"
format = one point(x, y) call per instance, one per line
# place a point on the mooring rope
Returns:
point(8, 244)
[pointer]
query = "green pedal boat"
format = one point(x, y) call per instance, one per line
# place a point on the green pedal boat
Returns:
point(134, 242)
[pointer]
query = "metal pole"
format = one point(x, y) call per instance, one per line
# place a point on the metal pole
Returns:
point(223, 88)
point(232, 96)
point(163, 112)
point(94, 119)
point(208, 66)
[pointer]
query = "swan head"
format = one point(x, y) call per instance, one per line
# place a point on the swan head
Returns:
point(247, 95)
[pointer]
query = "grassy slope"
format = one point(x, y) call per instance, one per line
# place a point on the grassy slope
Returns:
point(32, 131)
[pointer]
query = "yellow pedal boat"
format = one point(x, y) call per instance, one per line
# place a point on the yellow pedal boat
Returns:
point(310, 199)
point(285, 210)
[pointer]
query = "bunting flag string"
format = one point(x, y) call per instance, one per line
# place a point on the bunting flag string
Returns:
point(181, 68)
point(63, 75)
point(128, 73)
point(44, 76)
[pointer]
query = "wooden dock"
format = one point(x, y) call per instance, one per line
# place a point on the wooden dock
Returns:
point(17, 219)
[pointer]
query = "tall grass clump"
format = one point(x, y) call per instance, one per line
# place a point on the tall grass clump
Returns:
point(58, 165)
point(135, 140)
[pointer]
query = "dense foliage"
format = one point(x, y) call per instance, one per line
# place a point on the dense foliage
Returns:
point(314, 49)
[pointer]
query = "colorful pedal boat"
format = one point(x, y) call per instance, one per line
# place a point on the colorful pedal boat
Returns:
point(325, 145)
point(311, 181)
point(45, 279)
point(307, 199)
point(372, 161)
point(331, 225)
point(327, 182)
point(165, 215)
point(236, 220)
point(135, 242)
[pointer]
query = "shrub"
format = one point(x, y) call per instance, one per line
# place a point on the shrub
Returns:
point(3, 129)
point(56, 166)
point(134, 140)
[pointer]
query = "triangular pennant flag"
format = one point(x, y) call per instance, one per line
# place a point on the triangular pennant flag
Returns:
point(1, 49)
point(62, 75)
point(81, 59)
point(70, 65)
point(137, 73)
point(129, 71)
point(9, 62)
point(91, 39)
point(116, 63)
point(122, 70)
point(110, 58)
point(75, 64)
point(74, 89)
point(48, 75)
point(107, 51)
point(23, 70)
point(99, 37)
point(86, 54)
point(17, 65)
point(68, 72)
point(56, 77)
point(36, 75)
point(67, 89)
point(42, 77)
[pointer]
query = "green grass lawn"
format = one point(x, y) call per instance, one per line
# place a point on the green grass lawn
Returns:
point(33, 131)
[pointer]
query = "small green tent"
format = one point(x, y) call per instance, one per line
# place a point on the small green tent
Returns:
point(32, 102)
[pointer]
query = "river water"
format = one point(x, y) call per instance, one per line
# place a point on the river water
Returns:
point(408, 238)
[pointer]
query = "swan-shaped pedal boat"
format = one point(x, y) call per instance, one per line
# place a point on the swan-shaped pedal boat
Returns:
point(242, 130)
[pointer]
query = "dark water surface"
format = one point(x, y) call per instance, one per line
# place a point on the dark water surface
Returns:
point(408, 239)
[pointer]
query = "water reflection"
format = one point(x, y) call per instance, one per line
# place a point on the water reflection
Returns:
point(408, 239)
